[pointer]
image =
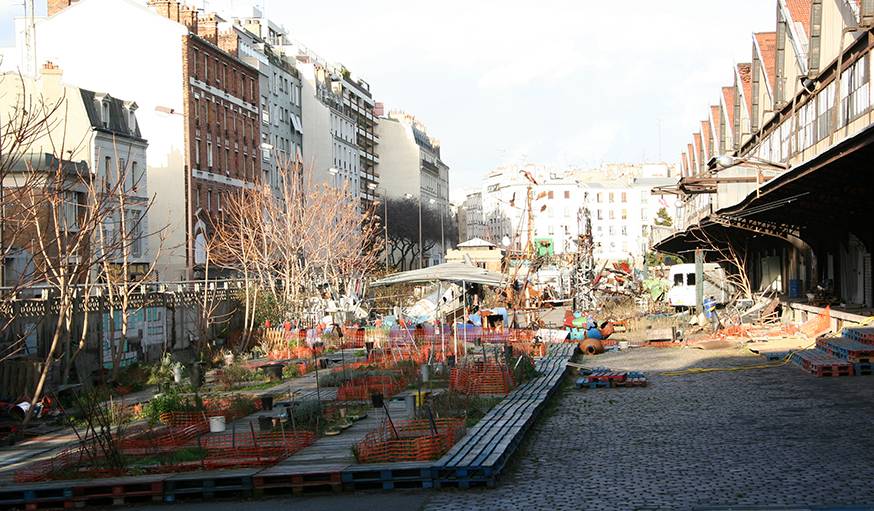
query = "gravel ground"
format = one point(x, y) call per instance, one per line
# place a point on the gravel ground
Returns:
point(772, 438)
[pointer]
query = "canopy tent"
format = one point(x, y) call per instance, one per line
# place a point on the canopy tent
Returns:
point(446, 272)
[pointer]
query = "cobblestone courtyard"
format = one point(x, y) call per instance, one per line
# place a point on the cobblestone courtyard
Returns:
point(774, 437)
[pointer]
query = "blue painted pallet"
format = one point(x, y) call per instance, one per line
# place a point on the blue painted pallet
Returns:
point(481, 455)
point(388, 476)
point(585, 383)
point(863, 369)
point(209, 484)
point(38, 495)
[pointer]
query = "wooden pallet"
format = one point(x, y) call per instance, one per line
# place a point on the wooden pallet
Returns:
point(210, 484)
point(299, 479)
point(479, 457)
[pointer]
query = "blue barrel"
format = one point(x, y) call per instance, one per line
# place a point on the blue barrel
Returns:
point(794, 288)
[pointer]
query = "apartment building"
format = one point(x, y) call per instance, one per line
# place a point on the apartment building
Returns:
point(258, 42)
point(202, 117)
point(96, 138)
point(471, 221)
point(787, 186)
point(411, 164)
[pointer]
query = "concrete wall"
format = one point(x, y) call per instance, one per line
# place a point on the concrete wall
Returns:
point(399, 159)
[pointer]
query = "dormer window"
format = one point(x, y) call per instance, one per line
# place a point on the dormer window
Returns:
point(104, 115)
point(131, 108)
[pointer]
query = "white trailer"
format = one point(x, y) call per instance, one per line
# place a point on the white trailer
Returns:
point(682, 279)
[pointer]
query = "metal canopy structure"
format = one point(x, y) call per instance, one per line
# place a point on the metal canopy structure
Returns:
point(446, 272)
point(826, 195)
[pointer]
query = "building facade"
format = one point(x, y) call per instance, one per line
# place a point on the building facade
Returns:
point(99, 138)
point(202, 118)
point(411, 168)
point(783, 185)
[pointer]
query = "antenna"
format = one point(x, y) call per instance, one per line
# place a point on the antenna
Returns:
point(29, 33)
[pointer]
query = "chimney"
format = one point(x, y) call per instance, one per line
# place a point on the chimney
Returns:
point(56, 6)
point(167, 8)
point(228, 41)
point(51, 78)
point(207, 27)
point(189, 18)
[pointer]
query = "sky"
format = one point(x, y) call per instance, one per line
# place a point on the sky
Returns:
point(563, 83)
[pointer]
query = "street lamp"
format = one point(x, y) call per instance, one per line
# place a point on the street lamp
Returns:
point(442, 240)
point(334, 171)
point(421, 251)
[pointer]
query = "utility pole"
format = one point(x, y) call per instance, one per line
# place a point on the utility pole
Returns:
point(699, 280)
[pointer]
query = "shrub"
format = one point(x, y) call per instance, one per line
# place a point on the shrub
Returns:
point(234, 374)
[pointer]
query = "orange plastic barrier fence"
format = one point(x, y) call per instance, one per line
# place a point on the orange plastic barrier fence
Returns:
point(819, 325)
point(409, 440)
point(481, 379)
point(360, 389)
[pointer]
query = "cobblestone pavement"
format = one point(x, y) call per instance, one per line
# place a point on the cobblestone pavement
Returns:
point(771, 438)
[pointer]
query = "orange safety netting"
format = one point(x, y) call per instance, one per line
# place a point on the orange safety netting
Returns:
point(161, 438)
point(292, 352)
point(528, 348)
point(481, 378)
point(818, 325)
point(409, 440)
point(360, 389)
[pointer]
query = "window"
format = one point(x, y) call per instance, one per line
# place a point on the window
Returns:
point(71, 211)
point(218, 200)
point(600, 214)
point(209, 155)
point(209, 199)
point(197, 152)
point(122, 174)
point(194, 61)
point(567, 194)
point(624, 213)
point(690, 279)
point(134, 177)
point(610, 230)
point(197, 198)
point(131, 121)
point(105, 113)
point(612, 214)
point(107, 171)
point(550, 195)
point(624, 230)
point(854, 91)
point(136, 233)
point(598, 197)
point(624, 197)
point(824, 102)
point(610, 199)
point(205, 67)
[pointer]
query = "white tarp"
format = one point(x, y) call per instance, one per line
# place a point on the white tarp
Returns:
point(446, 272)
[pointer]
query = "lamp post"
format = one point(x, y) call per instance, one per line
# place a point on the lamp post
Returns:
point(442, 240)
point(334, 171)
point(421, 247)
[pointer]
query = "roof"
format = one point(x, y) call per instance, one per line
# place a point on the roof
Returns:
point(446, 272)
point(766, 43)
point(728, 94)
point(692, 163)
point(706, 139)
point(745, 85)
point(800, 12)
point(684, 162)
point(476, 242)
point(118, 120)
point(715, 121)
point(699, 151)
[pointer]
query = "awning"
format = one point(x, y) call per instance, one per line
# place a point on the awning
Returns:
point(446, 272)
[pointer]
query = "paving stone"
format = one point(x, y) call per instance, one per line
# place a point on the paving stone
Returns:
point(765, 438)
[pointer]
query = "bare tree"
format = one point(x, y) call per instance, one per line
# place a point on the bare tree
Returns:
point(726, 252)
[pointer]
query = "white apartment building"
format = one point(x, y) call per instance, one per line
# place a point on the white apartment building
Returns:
point(471, 222)
point(72, 41)
point(331, 150)
point(619, 199)
point(622, 214)
point(258, 42)
point(410, 166)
